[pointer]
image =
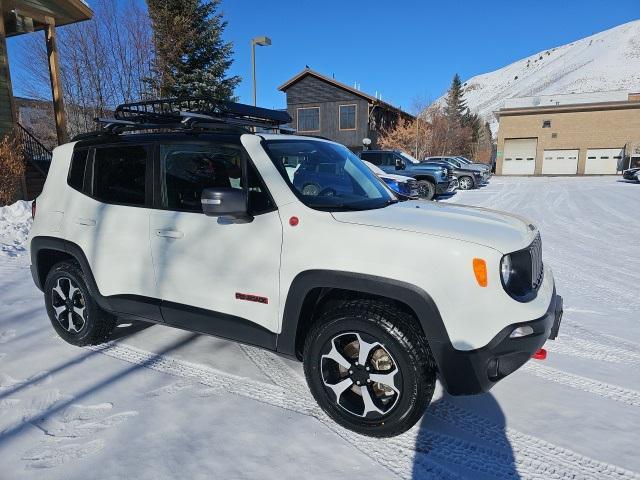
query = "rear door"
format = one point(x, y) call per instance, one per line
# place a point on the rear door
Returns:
point(213, 275)
point(108, 217)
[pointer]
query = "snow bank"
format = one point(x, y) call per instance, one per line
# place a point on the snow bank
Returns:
point(15, 223)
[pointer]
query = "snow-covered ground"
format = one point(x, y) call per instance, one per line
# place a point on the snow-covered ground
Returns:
point(161, 403)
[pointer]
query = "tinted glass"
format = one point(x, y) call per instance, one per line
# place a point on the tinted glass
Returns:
point(120, 175)
point(188, 169)
point(347, 117)
point(388, 159)
point(329, 176)
point(308, 119)
point(373, 157)
point(76, 171)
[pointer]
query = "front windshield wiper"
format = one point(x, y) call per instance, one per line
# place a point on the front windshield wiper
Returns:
point(351, 208)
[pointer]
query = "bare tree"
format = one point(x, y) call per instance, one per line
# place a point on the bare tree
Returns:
point(104, 62)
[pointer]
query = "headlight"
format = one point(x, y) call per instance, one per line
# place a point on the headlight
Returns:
point(506, 269)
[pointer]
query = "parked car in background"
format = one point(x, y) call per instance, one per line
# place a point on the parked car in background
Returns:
point(467, 178)
point(471, 162)
point(483, 169)
point(404, 187)
point(632, 174)
point(432, 180)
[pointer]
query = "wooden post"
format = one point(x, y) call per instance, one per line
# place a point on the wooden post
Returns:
point(56, 82)
point(8, 113)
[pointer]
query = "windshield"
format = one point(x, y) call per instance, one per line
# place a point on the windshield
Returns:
point(328, 176)
point(455, 162)
point(409, 157)
point(463, 160)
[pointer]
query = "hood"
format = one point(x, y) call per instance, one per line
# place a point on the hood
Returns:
point(397, 178)
point(502, 231)
point(473, 166)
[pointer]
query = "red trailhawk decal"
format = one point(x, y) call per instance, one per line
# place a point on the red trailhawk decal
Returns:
point(251, 298)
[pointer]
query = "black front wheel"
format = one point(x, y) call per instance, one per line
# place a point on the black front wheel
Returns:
point(426, 189)
point(369, 368)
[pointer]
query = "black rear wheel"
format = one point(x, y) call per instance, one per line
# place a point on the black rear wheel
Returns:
point(465, 183)
point(75, 316)
point(369, 367)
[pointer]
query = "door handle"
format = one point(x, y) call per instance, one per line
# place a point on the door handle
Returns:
point(169, 233)
point(86, 221)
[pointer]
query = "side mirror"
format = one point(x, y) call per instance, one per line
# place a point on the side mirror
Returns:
point(399, 164)
point(225, 202)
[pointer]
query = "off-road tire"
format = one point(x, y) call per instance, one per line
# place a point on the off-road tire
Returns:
point(401, 336)
point(426, 189)
point(98, 324)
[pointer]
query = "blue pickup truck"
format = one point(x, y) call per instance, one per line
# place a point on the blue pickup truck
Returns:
point(432, 180)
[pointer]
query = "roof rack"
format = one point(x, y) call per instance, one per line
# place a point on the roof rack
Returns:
point(190, 113)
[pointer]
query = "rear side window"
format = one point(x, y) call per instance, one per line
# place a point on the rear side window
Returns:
point(373, 157)
point(119, 175)
point(77, 169)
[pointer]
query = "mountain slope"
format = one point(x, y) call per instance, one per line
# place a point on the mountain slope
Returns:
point(606, 61)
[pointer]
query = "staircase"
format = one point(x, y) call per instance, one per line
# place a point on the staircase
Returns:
point(38, 159)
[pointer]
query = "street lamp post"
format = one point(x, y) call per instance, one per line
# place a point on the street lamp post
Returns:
point(263, 42)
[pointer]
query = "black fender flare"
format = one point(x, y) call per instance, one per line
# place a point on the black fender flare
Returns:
point(422, 176)
point(419, 301)
point(40, 243)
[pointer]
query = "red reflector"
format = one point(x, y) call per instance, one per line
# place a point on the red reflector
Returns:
point(293, 221)
point(33, 208)
point(540, 354)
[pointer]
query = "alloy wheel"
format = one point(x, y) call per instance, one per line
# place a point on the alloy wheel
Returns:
point(69, 305)
point(465, 183)
point(361, 375)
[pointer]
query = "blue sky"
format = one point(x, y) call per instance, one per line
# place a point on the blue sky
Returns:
point(405, 49)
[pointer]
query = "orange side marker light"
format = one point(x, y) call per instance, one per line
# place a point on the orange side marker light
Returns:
point(480, 271)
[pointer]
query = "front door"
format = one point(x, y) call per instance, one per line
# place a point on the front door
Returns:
point(215, 276)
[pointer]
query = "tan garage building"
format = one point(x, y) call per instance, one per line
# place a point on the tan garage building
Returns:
point(575, 134)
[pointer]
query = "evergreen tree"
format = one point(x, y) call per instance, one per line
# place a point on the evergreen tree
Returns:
point(191, 56)
point(456, 106)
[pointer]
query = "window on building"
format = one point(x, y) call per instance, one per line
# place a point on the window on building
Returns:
point(347, 117)
point(309, 119)
point(76, 172)
point(119, 175)
point(546, 124)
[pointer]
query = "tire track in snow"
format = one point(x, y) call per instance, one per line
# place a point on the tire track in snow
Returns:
point(400, 463)
point(533, 457)
point(606, 390)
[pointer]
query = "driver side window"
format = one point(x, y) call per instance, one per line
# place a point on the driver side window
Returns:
point(187, 169)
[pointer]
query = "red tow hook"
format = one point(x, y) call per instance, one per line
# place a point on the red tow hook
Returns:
point(541, 354)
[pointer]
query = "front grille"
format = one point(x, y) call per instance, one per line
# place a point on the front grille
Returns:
point(537, 267)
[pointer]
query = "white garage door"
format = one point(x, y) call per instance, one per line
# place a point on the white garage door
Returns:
point(602, 161)
point(519, 156)
point(560, 162)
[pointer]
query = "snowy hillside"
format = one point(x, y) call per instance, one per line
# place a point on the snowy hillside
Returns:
point(606, 61)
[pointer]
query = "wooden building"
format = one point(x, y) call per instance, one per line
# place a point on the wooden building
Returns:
point(322, 106)
point(18, 17)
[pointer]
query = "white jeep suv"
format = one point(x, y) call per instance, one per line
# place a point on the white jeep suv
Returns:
point(195, 222)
